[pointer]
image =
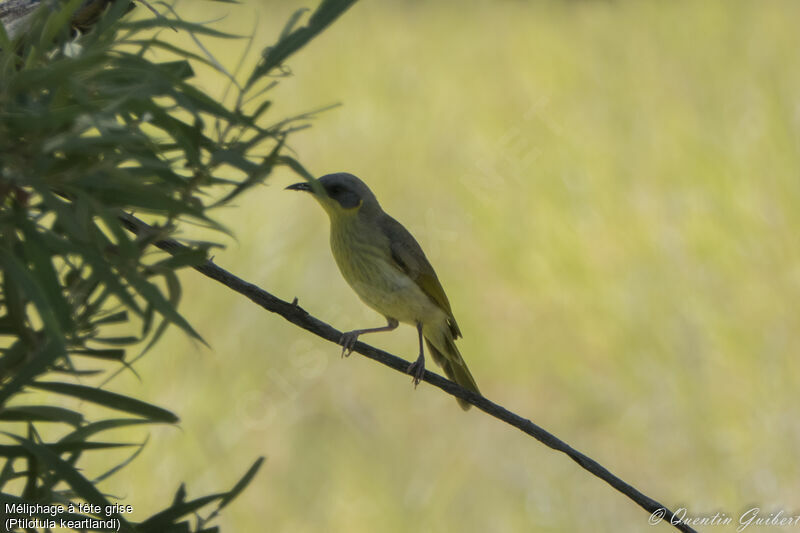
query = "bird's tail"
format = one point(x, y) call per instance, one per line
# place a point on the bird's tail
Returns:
point(454, 366)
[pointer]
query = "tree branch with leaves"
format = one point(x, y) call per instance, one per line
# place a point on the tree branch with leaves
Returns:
point(90, 125)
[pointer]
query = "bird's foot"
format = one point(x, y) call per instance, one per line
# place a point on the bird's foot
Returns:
point(417, 370)
point(348, 342)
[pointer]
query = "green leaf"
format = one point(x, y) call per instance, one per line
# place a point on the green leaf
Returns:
point(116, 341)
point(62, 470)
point(46, 276)
point(108, 399)
point(40, 413)
point(88, 430)
point(149, 292)
point(198, 101)
point(288, 28)
point(119, 466)
point(111, 354)
point(296, 167)
point(33, 367)
point(109, 20)
point(256, 173)
point(242, 483)
point(74, 372)
point(13, 356)
point(10, 451)
point(165, 518)
point(80, 243)
point(132, 195)
point(5, 43)
point(114, 318)
point(163, 45)
point(34, 470)
point(180, 495)
point(274, 56)
point(30, 287)
point(7, 474)
point(199, 29)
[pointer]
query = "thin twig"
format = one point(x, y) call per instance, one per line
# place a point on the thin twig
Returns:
point(300, 317)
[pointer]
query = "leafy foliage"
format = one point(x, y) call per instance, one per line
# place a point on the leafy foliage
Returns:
point(91, 127)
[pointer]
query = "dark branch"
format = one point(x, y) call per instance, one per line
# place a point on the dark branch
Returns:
point(298, 316)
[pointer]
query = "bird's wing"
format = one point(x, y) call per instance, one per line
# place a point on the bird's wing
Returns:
point(409, 257)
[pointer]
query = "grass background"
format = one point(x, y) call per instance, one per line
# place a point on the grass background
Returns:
point(609, 192)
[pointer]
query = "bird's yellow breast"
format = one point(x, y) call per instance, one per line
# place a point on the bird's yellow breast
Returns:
point(363, 255)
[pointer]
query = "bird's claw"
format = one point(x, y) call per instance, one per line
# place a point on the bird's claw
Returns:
point(348, 342)
point(417, 370)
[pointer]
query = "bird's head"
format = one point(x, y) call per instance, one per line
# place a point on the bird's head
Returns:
point(340, 194)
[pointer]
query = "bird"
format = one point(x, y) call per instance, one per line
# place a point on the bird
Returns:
point(388, 270)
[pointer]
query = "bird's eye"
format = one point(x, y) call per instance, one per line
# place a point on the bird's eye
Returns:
point(335, 190)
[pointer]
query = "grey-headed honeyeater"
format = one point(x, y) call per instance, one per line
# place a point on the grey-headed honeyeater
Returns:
point(386, 267)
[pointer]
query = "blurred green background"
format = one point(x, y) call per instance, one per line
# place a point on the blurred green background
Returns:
point(609, 192)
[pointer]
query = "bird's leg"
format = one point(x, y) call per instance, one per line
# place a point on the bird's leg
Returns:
point(348, 339)
point(417, 368)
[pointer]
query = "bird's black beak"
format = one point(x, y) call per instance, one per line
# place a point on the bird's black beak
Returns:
point(302, 186)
